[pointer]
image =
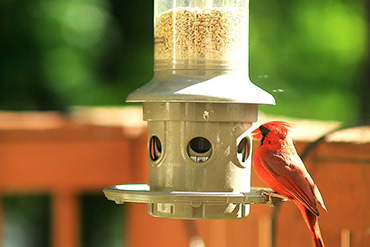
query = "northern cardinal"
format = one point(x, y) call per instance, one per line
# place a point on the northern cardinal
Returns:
point(278, 165)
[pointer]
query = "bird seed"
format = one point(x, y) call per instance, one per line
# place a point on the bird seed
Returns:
point(207, 33)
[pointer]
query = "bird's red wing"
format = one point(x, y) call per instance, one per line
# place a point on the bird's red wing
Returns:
point(292, 177)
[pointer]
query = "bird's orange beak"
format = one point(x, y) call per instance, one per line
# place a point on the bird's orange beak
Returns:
point(256, 134)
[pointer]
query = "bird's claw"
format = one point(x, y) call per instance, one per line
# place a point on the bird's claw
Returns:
point(270, 195)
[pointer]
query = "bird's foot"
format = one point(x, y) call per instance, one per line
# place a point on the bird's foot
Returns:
point(271, 195)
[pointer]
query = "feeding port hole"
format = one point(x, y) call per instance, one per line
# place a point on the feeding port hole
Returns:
point(199, 149)
point(155, 148)
point(243, 149)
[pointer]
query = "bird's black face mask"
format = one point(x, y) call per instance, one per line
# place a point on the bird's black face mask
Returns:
point(264, 132)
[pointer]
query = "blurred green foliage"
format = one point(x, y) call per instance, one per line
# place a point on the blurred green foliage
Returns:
point(21, 213)
point(73, 52)
point(103, 222)
point(311, 55)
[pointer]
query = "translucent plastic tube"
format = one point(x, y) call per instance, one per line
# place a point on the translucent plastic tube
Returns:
point(201, 34)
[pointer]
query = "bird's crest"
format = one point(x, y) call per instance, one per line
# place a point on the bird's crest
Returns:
point(280, 127)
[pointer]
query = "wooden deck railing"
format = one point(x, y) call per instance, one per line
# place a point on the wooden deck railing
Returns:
point(65, 156)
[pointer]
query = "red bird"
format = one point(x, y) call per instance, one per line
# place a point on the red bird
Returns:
point(278, 165)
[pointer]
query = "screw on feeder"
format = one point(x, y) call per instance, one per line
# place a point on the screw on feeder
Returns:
point(206, 115)
point(199, 106)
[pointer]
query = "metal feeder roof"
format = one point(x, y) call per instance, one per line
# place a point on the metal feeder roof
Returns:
point(222, 88)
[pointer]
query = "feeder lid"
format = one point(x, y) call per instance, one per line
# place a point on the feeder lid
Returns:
point(141, 193)
point(224, 88)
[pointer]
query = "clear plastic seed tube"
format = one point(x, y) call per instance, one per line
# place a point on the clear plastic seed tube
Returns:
point(201, 34)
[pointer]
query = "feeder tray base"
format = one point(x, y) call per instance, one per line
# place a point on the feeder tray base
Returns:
point(193, 204)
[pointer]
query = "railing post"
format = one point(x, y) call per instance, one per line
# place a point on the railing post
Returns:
point(65, 220)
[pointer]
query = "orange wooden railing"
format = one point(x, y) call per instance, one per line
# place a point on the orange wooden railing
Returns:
point(53, 154)
point(65, 156)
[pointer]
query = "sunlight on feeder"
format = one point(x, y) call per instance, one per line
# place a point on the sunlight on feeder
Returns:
point(200, 106)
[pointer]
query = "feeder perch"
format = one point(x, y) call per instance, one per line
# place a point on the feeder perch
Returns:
point(200, 106)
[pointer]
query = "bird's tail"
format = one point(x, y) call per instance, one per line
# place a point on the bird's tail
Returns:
point(312, 222)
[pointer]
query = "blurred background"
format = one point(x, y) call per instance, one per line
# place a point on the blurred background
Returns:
point(56, 55)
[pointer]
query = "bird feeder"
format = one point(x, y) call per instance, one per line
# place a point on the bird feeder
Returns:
point(200, 106)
